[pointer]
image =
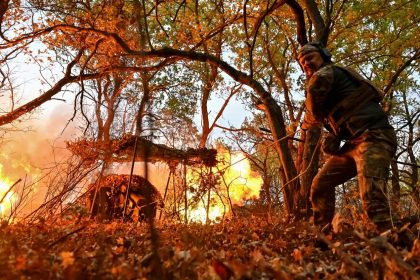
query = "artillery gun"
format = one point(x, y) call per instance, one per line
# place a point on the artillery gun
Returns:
point(143, 198)
point(112, 189)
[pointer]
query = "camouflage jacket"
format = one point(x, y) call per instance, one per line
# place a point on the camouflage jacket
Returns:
point(344, 102)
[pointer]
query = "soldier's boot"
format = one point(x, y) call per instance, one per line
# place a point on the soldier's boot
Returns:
point(324, 229)
point(321, 219)
point(403, 236)
point(406, 237)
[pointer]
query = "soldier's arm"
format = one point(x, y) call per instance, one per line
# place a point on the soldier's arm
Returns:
point(318, 90)
point(309, 120)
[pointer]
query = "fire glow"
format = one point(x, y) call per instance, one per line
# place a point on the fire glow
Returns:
point(238, 183)
point(7, 196)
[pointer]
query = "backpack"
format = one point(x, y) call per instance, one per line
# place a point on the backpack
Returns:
point(378, 94)
point(346, 107)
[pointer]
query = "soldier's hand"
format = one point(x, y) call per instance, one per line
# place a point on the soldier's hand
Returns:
point(331, 144)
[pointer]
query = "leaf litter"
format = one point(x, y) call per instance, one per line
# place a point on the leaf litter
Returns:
point(239, 248)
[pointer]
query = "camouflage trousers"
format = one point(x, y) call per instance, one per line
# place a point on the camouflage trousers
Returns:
point(368, 157)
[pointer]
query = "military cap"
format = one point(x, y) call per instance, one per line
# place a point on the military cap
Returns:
point(315, 47)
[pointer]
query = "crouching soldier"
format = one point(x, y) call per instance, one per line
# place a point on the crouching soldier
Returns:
point(347, 105)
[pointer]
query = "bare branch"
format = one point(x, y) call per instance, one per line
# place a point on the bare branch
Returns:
point(317, 20)
point(397, 73)
point(300, 21)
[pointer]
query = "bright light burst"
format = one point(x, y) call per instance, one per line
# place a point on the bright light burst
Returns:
point(8, 198)
point(239, 183)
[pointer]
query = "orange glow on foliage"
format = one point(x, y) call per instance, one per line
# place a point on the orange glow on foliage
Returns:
point(237, 183)
point(7, 197)
point(246, 183)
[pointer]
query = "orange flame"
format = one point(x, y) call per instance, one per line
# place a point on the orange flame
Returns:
point(7, 196)
point(238, 183)
point(246, 184)
point(16, 166)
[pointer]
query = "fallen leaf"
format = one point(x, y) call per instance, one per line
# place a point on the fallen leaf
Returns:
point(120, 241)
point(297, 255)
point(221, 270)
point(337, 223)
point(183, 255)
point(67, 259)
point(255, 236)
point(415, 251)
point(20, 263)
point(280, 244)
point(256, 256)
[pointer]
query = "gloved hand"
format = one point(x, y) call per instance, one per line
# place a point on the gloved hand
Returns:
point(331, 144)
point(309, 121)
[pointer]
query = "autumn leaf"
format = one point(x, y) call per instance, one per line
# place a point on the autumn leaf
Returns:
point(114, 270)
point(257, 256)
point(183, 255)
point(67, 259)
point(337, 223)
point(120, 241)
point(255, 236)
point(415, 250)
point(20, 263)
point(119, 249)
point(221, 270)
point(280, 244)
point(297, 255)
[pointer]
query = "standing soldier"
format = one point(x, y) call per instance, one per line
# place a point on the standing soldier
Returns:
point(347, 105)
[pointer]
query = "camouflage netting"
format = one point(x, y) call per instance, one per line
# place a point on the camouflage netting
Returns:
point(143, 198)
point(121, 150)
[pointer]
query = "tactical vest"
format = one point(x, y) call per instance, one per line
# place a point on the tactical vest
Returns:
point(348, 106)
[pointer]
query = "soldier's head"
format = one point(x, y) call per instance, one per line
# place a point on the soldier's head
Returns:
point(312, 56)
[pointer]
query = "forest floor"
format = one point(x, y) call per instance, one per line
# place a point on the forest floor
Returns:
point(249, 247)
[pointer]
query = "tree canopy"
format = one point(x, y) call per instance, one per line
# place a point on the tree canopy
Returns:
point(136, 66)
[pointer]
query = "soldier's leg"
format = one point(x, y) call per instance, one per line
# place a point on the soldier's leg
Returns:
point(337, 170)
point(373, 157)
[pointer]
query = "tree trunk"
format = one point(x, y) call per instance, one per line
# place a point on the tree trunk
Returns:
point(395, 182)
point(266, 188)
point(309, 168)
point(278, 129)
point(184, 178)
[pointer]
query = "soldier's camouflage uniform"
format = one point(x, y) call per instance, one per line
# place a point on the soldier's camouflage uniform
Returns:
point(348, 106)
